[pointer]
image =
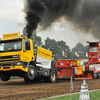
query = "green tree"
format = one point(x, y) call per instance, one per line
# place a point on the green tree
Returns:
point(52, 45)
point(64, 48)
point(80, 49)
point(57, 47)
point(37, 41)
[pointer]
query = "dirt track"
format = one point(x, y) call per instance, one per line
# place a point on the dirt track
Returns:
point(17, 89)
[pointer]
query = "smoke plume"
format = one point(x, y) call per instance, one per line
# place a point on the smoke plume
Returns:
point(83, 14)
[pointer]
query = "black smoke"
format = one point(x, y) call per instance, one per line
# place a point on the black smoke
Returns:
point(33, 9)
point(83, 14)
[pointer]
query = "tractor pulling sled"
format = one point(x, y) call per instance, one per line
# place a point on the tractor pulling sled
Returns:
point(18, 57)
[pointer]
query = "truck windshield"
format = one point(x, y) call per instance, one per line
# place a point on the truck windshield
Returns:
point(93, 49)
point(11, 45)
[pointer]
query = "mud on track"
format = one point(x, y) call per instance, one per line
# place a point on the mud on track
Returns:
point(17, 89)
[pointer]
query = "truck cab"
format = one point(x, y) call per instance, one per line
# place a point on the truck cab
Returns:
point(14, 56)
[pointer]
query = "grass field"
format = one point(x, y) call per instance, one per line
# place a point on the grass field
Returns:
point(94, 95)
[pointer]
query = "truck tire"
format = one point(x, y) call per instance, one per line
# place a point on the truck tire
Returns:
point(30, 74)
point(5, 76)
point(99, 75)
point(53, 76)
point(94, 75)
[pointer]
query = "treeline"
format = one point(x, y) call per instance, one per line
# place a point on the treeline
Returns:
point(60, 49)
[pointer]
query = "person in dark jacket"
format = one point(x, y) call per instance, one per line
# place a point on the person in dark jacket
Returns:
point(53, 62)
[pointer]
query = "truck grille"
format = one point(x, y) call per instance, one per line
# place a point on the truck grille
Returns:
point(9, 60)
point(4, 59)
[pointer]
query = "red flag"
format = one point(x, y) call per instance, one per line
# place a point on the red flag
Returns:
point(64, 54)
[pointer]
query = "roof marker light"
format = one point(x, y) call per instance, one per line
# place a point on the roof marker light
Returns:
point(22, 35)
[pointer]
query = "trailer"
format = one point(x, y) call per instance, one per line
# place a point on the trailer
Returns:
point(79, 69)
point(68, 67)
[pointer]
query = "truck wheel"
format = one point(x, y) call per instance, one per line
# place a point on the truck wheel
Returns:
point(30, 75)
point(5, 76)
point(53, 76)
point(95, 75)
point(99, 75)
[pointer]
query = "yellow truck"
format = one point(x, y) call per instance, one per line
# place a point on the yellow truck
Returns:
point(18, 57)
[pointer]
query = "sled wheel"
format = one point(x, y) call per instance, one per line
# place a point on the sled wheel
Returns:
point(53, 76)
point(30, 74)
point(95, 75)
point(5, 76)
point(99, 75)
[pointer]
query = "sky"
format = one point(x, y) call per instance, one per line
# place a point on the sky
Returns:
point(12, 20)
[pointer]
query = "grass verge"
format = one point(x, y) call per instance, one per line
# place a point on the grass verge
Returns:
point(94, 95)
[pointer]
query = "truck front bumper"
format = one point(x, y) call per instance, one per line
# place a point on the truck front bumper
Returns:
point(16, 67)
point(13, 66)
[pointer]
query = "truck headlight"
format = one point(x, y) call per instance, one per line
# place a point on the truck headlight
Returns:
point(19, 63)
